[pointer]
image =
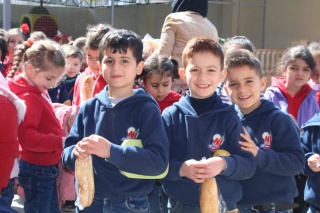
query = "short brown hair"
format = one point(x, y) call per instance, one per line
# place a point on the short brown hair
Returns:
point(201, 44)
point(243, 57)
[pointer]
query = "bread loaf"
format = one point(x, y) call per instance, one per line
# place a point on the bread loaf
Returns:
point(85, 182)
point(209, 200)
point(86, 89)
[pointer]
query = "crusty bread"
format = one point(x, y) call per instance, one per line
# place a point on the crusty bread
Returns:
point(85, 180)
point(86, 90)
point(67, 103)
point(209, 200)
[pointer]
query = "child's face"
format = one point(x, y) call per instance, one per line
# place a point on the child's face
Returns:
point(73, 65)
point(14, 40)
point(297, 74)
point(244, 86)
point(158, 86)
point(92, 59)
point(316, 73)
point(203, 74)
point(120, 70)
point(45, 79)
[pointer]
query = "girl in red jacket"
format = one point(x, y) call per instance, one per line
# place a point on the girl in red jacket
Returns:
point(40, 135)
point(158, 75)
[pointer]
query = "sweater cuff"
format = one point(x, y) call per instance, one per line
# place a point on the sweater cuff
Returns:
point(116, 155)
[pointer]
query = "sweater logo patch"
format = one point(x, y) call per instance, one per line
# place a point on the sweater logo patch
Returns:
point(267, 140)
point(132, 133)
point(216, 143)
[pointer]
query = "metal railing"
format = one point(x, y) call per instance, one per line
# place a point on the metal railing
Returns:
point(269, 59)
point(88, 3)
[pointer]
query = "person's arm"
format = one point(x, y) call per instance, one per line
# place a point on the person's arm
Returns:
point(286, 157)
point(310, 137)
point(30, 137)
point(167, 38)
point(240, 164)
point(75, 136)
point(9, 145)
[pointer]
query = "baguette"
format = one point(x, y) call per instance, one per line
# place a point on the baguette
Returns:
point(209, 200)
point(86, 90)
point(85, 182)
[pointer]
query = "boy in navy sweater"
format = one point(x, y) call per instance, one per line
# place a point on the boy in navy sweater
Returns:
point(310, 137)
point(118, 113)
point(271, 136)
point(200, 125)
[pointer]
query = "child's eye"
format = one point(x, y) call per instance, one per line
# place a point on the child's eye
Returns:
point(155, 85)
point(292, 68)
point(193, 70)
point(124, 61)
point(211, 70)
point(307, 70)
point(232, 85)
point(165, 85)
point(249, 81)
point(108, 61)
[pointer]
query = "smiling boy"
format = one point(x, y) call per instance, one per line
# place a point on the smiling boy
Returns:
point(117, 113)
point(198, 126)
point(271, 137)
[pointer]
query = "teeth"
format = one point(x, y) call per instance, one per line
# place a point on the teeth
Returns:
point(202, 86)
point(243, 97)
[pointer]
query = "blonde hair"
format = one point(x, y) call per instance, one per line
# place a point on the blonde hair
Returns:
point(38, 54)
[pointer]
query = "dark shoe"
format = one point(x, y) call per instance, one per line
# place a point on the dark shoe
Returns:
point(68, 206)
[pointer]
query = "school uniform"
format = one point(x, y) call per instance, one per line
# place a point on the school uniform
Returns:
point(197, 128)
point(310, 137)
point(280, 157)
point(135, 117)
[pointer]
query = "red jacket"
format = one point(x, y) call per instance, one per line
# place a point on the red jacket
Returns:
point(99, 84)
point(40, 134)
point(9, 145)
point(6, 66)
point(169, 100)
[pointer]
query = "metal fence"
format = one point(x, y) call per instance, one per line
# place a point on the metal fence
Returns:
point(88, 3)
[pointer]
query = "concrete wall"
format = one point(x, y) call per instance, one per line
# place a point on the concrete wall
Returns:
point(286, 20)
point(291, 20)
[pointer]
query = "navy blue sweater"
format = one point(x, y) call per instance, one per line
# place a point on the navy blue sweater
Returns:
point(310, 137)
point(136, 117)
point(193, 136)
point(280, 156)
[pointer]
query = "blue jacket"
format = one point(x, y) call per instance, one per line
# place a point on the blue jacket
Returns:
point(194, 136)
point(136, 117)
point(59, 94)
point(310, 137)
point(70, 82)
point(279, 158)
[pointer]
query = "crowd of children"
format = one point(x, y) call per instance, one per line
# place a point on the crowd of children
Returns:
point(270, 134)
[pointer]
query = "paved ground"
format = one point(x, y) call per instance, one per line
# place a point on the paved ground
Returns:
point(17, 204)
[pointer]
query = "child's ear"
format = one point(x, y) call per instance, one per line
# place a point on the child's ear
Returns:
point(223, 75)
point(99, 66)
point(140, 66)
point(182, 74)
point(30, 70)
point(263, 83)
point(283, 69)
